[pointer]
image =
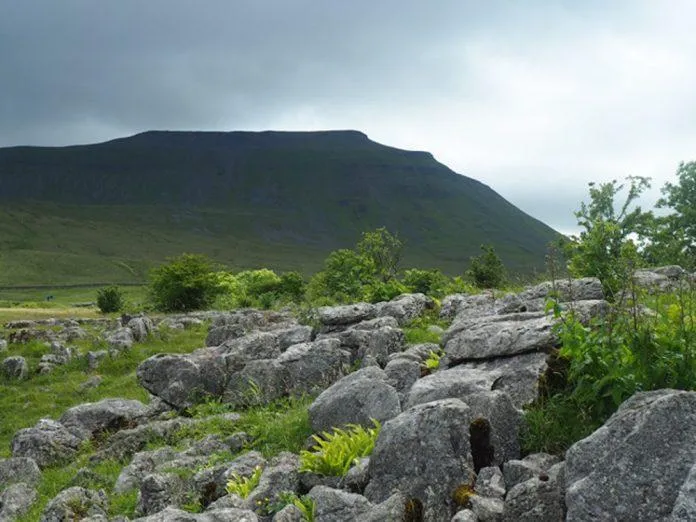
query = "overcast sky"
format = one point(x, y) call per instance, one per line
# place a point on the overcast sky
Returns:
point(534, 98)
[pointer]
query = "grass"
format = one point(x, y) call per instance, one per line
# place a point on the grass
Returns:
point(24, 403)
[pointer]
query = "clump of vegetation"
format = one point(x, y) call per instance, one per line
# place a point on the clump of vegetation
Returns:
point(243, 486)
point(188, 282)
point(110, 299)
point(487, 270)
point(305, 504)
point(432, 363)
point(335, 453)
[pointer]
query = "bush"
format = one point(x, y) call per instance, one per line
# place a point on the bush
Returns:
point(335, 453)
point(430, 282)
point(186, 283)
point(379, 291)
point(487, 270)
point(110, 299)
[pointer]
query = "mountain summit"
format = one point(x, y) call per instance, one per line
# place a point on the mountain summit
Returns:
point(277, 199)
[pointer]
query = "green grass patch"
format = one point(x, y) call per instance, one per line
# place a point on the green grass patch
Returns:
point(22, 404)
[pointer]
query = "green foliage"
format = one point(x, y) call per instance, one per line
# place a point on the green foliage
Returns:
point(345, 272)
point(627, 351)
point(292, 286)
point(110, 299)
point(432, 363)
point(604, 249)
point(335, 453)
point(430, 282)
point(243, 486)
point(305, 504)
point(186, 283)
point(383, 250)
point(672, 238)
point(378, 290)
point(418, 331)
point(487, 270)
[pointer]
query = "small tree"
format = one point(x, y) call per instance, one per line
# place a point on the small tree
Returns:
point(384, 250)
point(604, 248)
point(110, 299)
point(186, 283)
point(487, 270)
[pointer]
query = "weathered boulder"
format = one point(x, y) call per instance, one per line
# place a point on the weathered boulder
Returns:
point(15, 368)
point(582, 289)
point(337, 316)
point(107, 415)
point(685, 506)
point(357, 477)
point(534, 465)
point(402, 374)
point(171, 514)
point(502, 336)
point(182, 380)
point(356, 399)
point(141, 328)
point(120, 340)
point(259, 382)
point(94, 358)
point(490, 482)
point(335, 505)
point(211, 483)
point(518, 376)
point(49, 443)
point(487, 509)
point(15, 501)
point(313, 367)
point(75, 503)
point(159, 491)
point(374, 344)
point(281, 475)
point(19, 469)
point(539, 499)
point(3, 345)
point(405, 307)
point(424, 453)
point(455, 383)
point(643, 455)
point(142, 464)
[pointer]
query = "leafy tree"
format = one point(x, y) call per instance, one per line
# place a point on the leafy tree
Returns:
point(431, 282)
point(487, 270)
point(345, 272)
point(674, 235)
point(292, 286)
point(383, 250)
point(110, 299)
point(188, 282)
point(604, 248)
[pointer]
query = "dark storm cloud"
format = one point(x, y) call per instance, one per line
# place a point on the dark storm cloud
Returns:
point(533, 98)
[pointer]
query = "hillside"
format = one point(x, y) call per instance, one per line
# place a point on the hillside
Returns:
point(108, 211)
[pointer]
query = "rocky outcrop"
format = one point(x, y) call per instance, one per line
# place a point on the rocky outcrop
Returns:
point(643, 455)
point(15, 368)
point(49, 443)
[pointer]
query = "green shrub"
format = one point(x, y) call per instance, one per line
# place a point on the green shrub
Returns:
point(432, 363)
point(186, 283)
point(243, 486)
point(487, 270)
point(429, 282)
point(379, 291)
point(336, 452)
point(292, 286)
point(110, 299)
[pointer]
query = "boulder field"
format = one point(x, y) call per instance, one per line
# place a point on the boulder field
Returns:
point(449, 445)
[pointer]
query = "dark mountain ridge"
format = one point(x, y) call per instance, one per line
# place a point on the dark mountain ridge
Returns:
point(286, 188)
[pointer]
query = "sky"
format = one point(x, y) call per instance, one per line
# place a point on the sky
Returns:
point(534, 98)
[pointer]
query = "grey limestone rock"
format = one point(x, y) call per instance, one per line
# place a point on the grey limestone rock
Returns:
point(107, 415)
point(425, 454)
point(19, 469)
point(15, 368)
point(171, 514)
point(333, 316)
point(454, 383)
point(15, 501)
point(539, 499)
point(490, 482)
point(643, 454)
point(356, 399)
point(281, 475)
point(49, 443)
point(405, 307)
point(75, 503)
point(314, 366)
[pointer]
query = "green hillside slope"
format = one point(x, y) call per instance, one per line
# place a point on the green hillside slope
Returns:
point(280, 199)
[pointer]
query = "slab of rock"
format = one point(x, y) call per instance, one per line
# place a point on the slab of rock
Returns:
point(15, 500)
point(75, 503)
point(356, 399)
point(423, 453)
point(120, 340)
point(15, 368)
point(685, 506)
point(183, 380)
point(539, 499)
point(532, 466)
point(49, 443)
point(333, 316)
point(141, 327)
point(19, 469)
point(281, 475)
point(171, 514)
point(455, 383)
point(405, 307)
point(500, 337)
point(313, 367)
point(158, 491)
point(582, 289)
point(107, 415)
point(259, 382)
point(643, 455)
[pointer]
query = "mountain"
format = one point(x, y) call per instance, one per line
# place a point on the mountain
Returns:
point(108, 211)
